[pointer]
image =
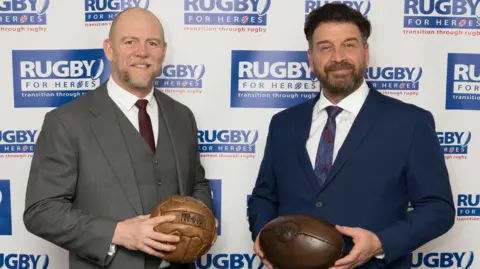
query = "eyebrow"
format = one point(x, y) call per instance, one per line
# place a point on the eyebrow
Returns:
point(136, 38)
point(346, 40)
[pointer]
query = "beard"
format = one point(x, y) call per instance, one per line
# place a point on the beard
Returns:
point(137, 83)
point(138, 80)
point(341, 84)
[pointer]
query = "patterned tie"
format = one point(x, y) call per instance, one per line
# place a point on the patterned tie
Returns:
point(144, 123)
point(324, 159)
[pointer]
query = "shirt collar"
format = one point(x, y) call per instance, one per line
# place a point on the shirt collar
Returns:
point(352, 103)
point(124, 98)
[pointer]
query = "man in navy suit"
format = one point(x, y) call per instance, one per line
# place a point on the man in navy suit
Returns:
point(353, 156)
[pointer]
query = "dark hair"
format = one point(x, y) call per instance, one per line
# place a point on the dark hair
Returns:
point(336, 12)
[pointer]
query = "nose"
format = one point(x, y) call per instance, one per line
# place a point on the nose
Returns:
point(141, 50)
point(338, 55)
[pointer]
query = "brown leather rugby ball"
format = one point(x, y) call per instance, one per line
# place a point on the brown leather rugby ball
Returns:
point(194, 224)
point(301, 242)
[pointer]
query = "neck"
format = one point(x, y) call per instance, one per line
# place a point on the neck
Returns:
point(138, 92)
point(336, 97)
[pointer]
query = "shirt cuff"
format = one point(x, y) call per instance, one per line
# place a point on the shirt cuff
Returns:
point(112, 250)
point(380, 256)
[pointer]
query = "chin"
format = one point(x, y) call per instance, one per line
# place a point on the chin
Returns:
point(140, 85)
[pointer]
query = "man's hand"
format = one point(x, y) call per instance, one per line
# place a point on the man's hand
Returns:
point(367, 245)
point(258, 250)
point(138, 234)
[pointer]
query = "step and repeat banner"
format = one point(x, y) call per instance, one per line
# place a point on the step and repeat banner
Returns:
point(236, 63)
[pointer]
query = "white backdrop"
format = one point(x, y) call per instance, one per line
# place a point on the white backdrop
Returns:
point(235, 63)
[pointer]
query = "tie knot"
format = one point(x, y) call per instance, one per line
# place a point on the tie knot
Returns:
point(141, 103)
point(333, 111)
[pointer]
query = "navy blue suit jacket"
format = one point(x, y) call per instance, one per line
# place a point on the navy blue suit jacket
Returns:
point(390, 157)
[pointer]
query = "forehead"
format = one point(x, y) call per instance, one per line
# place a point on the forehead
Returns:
point(336, 32)
point(140, 25)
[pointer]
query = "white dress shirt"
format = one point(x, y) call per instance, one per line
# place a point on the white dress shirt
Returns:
point(351, 106)
point(126, 103)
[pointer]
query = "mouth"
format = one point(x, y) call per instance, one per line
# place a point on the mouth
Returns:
point(141, 66)
point(341, 71)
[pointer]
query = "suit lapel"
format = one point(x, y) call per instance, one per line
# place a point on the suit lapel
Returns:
point(303, 126)
point(162, 108)
point(105, 126)
point(363, 123)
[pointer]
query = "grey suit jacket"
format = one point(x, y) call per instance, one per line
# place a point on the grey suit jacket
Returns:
point(82, 182)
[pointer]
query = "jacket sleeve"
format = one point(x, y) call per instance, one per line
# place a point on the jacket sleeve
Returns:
point(430, 195)
point(263, 203)
point(49, 209)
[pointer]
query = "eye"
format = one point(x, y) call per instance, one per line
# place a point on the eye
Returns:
point(153, 43)
point(350, 45)
point(129, 41)
point(324, 48)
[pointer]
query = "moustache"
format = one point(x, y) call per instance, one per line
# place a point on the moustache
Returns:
point(339, 66)
point(141, 63)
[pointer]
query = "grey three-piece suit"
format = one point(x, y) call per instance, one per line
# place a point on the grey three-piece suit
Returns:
point(92, 168)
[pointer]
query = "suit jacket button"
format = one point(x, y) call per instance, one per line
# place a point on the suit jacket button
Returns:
point(155, 161)
point(319, 204)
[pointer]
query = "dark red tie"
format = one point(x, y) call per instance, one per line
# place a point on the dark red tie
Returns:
point(145, 123)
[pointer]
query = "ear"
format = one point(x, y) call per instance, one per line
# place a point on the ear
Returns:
point(164, 53)
point(367, 54)
point(108, 49)
point(310, 60)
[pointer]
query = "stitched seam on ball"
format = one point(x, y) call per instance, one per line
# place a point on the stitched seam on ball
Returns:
point(188, 247)
point(321, 239)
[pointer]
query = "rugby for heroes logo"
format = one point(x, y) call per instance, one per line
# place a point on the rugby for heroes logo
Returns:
point(229, 261)
point(463, 81)
point(363, 6)
point(181, 78)
point(393, 80)
point(227, 143)
point(454, 144)
point(460, 260)
point(23, 261)
point(271, 79)
point(450, 17)
point(50, 78)
point(226, 16)
point(23, 15)
point(102, 12)
point(17, 144)
point(468, 207)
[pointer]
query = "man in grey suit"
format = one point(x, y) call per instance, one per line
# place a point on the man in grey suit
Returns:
point(104, 161)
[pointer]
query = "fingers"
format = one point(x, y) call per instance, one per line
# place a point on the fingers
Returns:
point(152, 251)
point(349, 231)
point(341, 267)
point(160, 219)
point(349, 259)
point(349, 266)
point(258, 249)
point(166, 238)
point(158, 246)
point(260, 254)
point(267, 263)
point(143, 217)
